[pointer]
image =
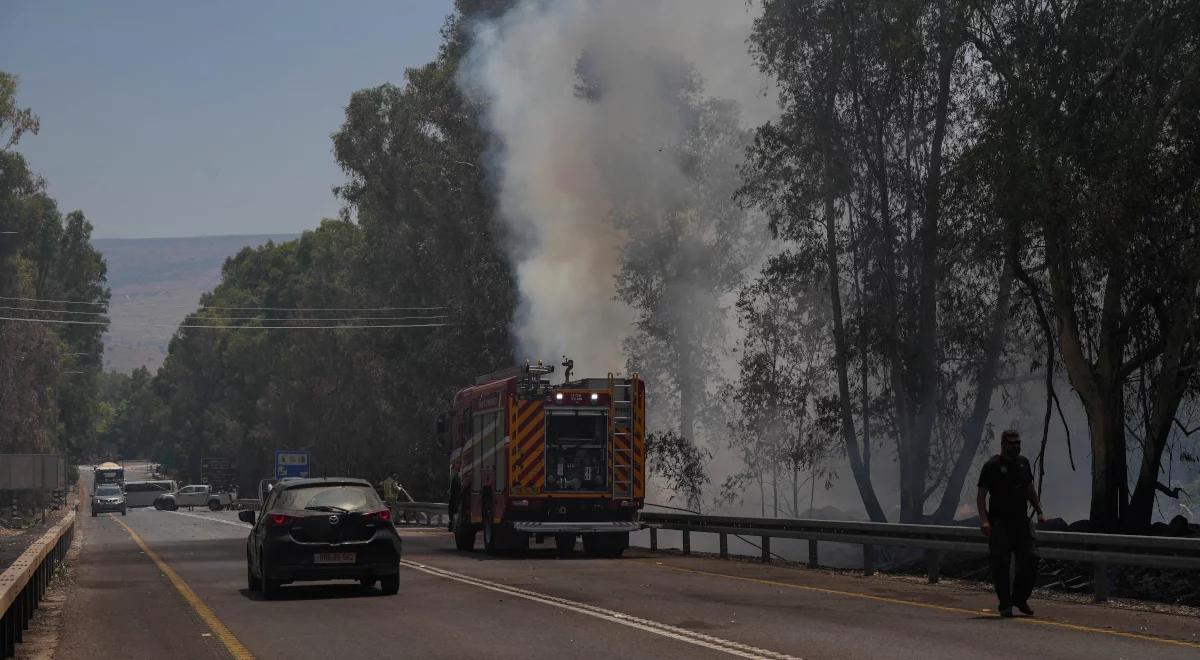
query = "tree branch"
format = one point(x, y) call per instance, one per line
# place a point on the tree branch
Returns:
point(1112, 71)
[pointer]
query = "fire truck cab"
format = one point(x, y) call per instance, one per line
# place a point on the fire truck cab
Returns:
point(534, 461)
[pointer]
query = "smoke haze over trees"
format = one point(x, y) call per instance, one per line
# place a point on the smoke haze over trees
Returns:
point(841, 240)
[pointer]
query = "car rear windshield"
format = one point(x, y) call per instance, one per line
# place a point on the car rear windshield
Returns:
point(108, 491)
point(344, 497)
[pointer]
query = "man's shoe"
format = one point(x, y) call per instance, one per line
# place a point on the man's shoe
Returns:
point(1025, 609)
point(1006, 612)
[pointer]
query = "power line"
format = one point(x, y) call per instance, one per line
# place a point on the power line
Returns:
point(231, 327)
point(258, 309)
point(242, 318)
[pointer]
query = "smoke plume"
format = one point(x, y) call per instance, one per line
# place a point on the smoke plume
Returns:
point(582, 106)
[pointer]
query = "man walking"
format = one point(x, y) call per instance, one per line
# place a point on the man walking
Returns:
point(1008, 478)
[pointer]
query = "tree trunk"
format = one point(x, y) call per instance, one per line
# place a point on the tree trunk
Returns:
point(862, 477)
point(775, 486)
point(1106, 423)
point(1098, 387)
point(762, 495)
point(795, 490)
point(1171, 383)
point(927, 371)
point(984, 389)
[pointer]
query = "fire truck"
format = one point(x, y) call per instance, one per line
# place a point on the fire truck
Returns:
point(536, 461)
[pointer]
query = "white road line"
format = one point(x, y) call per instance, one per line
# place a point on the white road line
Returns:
point(210, 518)
point(612, 616)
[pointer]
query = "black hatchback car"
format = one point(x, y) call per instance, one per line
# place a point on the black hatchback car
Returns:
point(322, 529)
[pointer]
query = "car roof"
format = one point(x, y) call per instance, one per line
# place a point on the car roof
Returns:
point(288, 484)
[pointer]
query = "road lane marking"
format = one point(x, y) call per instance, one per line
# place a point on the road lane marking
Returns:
point(237, 523)
point(612, 616)
point(944, 608)
point(235, 647)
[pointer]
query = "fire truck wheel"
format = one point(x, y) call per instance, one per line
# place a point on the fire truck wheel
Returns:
point(464, 534)
point(565, 544)
point(489, 529)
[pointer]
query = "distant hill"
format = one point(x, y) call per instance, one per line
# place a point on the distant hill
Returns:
point(155, 283)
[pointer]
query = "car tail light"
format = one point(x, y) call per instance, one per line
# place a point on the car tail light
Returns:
point(377, 516)
point(282, 520)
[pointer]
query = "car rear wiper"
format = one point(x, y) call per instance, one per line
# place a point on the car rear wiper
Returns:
point(335, 509)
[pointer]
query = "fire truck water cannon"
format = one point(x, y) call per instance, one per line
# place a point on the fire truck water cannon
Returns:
point(532, 461)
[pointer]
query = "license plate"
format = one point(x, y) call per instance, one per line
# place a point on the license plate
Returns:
point(334, 558)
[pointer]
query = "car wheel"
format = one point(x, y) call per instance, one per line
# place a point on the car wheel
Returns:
point(270, 588)
point(214, 505)
point(122, 511)
point(252, 583)
point(464, 533)
point(390, 584)
point(93, 514)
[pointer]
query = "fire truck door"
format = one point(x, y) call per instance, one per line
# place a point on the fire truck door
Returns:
point(487, 449)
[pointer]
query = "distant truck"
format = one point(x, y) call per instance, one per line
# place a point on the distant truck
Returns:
point(109, 473)
point(194, 495)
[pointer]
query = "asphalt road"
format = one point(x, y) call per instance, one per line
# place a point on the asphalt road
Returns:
point(458, 605)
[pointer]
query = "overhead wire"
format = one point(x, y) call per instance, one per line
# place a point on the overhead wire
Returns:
point(346, 326)
point(244, 318)
point(226, 308)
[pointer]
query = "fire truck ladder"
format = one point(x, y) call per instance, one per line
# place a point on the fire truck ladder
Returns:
point(620, 415)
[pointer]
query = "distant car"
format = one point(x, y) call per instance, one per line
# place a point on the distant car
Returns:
point(195, 495)
point(144, 493)
point(322, 529)
point(108, 497)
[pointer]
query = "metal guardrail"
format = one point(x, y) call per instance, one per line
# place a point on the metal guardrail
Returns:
point(1099, 549)
point(24, 583)
point(433, 512)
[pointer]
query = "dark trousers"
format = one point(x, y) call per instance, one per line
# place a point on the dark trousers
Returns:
point(1013, 537)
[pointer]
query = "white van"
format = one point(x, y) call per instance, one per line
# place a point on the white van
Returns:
point(143, 493)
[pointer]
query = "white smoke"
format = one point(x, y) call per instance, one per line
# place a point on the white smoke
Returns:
point(565, 164)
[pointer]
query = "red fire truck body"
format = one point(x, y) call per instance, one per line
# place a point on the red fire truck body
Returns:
point(535, 460)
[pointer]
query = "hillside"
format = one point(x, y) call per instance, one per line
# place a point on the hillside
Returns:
point(155, 283)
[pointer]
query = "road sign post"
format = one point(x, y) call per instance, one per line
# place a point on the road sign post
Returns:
point(292, 463)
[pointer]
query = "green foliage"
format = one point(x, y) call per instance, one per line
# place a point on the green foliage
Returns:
point(681, 464)
point(417, 231)
point(48, 372)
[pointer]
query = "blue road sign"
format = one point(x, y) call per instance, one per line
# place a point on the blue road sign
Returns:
point(291, 463)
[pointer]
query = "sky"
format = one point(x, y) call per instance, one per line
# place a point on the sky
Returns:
point(163, 119)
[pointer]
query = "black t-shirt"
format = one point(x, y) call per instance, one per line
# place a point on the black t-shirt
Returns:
point(1007, 481)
